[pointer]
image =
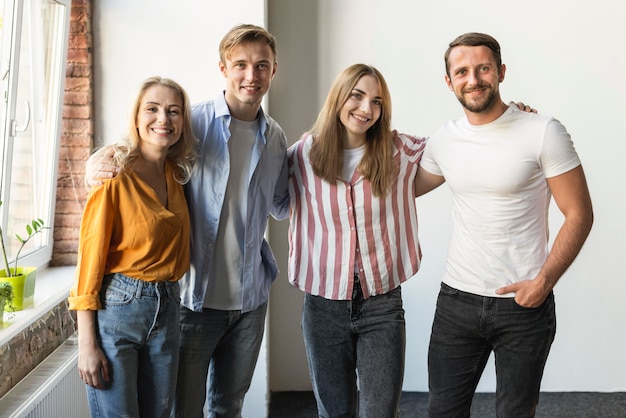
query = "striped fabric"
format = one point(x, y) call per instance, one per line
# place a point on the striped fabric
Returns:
point(335, 227)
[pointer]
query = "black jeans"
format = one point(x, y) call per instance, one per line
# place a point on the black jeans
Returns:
point(466, 329)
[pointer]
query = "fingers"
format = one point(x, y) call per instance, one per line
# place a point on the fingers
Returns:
point(523, 107)
point(91, 379)
point(507, 289)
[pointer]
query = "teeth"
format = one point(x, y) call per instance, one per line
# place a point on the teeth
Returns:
point(361, 118)
point(161, 131)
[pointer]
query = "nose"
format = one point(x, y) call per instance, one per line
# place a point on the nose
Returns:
point(472, 78)
point(162, 116)
point(365, 107)
point(250, 73)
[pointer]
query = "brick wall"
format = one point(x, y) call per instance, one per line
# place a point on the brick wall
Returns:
point(24, 352)
point(77, 136)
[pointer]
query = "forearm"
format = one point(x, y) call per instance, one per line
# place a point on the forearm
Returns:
point(566, 247)
point(86, 322)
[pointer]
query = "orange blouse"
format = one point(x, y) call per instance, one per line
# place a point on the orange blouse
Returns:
point(125, 229)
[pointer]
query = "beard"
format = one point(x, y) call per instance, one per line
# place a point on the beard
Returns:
point(478, 106)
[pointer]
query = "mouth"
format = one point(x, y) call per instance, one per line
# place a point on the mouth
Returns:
point(475, 91)
point(362, 119)
point(161, 131)
point(251, 89)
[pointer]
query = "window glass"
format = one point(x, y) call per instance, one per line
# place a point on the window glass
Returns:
point(34, 44)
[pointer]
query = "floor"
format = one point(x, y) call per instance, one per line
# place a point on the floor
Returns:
point(413, 405)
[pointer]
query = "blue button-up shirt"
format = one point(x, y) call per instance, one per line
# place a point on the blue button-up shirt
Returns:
point(267, 194)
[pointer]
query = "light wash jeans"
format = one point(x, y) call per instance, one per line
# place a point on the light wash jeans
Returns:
point(466, 329)
point(138, 331)
point(364, 337)
point(223, 346)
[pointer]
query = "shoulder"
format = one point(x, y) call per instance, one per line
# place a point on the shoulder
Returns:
point(273, 130)
point(410, 139)
point(409, 144)
point(297, 149)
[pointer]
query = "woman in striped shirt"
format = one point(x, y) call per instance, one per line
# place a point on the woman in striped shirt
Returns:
point(353, 241)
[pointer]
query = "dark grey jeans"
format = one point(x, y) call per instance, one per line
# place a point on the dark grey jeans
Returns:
point(364, 337)
point(466, 329)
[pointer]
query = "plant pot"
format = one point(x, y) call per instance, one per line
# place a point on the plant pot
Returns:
point(23, 286)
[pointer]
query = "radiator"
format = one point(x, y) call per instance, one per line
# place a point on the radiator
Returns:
point(52, 390)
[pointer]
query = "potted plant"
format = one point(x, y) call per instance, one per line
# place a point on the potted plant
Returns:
point(22, 279)
point(6, 299)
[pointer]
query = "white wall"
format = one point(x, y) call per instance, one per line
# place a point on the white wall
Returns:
point(564, 57)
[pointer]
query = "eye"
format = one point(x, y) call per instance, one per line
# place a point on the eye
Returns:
point(263, 66)
point(377, 102)
point(356, 95)
point(174, 112)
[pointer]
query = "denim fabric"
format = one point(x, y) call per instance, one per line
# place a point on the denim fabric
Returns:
point(138, 331)
point(355, 351)
point(466, 329)
point(223, 345)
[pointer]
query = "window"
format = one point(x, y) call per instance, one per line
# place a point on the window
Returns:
point(33, 54)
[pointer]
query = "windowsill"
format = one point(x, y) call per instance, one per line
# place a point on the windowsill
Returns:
point(51, 288)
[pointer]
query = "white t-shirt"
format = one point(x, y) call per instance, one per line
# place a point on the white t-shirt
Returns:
point(497, 175)
point(228, 259)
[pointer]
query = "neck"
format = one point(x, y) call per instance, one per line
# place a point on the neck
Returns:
point(353, 142)
point(487, 115)
point(246, 112)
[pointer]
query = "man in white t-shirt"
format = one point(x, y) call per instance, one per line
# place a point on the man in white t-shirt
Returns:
point(503, 166)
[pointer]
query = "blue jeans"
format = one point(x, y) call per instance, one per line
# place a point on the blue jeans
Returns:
point(138, 331)
point(466, 329)
point(360, 336)
point(223, 345)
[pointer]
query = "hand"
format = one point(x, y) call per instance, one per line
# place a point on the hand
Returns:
point(528, 293)
point(523, 107)
point(100, 166)
point(93, 367)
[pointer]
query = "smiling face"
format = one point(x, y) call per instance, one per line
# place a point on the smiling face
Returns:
point(159, 119)
point(249, 69)
point(361, 111)
point(475, 78)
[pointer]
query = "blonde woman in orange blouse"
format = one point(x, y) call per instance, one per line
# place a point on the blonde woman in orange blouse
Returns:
point(134, 247)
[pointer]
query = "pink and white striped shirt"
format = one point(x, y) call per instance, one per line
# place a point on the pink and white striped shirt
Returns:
point(333, 227)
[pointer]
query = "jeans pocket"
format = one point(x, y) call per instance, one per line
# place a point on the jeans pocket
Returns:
point(545, 305)
point(116, 292)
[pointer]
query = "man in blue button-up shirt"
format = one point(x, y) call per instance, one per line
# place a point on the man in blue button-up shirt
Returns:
point(240, 179)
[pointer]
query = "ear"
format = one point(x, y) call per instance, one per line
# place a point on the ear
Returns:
point(274, 69)
point(223, 69)
point(502, 71)
point(449, 82)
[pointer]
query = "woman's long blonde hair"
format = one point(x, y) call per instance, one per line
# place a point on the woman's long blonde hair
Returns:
point(326, 156)
point(183, 153)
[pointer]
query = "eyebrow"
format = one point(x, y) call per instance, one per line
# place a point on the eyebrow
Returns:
point(362, 92)
point(159, 104)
